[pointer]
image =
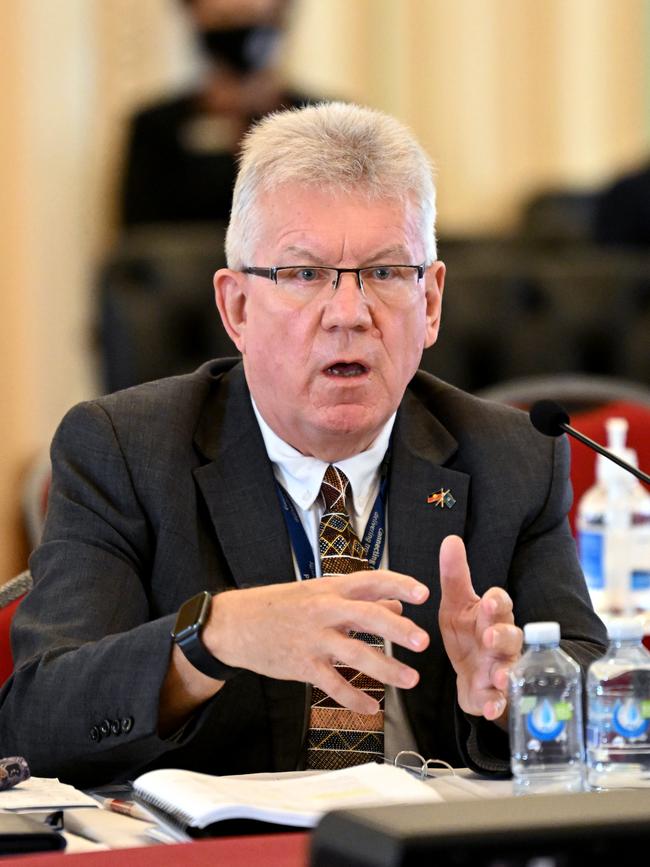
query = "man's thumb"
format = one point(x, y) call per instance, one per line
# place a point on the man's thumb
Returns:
point(455, 578)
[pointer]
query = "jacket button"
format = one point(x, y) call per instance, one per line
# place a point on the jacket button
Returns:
point(127, 724)
point(95, 734)
point(105, 727)
point(116, 729)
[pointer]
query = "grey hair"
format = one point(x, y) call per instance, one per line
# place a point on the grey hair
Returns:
point(333, 146)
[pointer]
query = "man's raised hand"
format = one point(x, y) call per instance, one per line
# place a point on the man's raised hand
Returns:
point(479, 635)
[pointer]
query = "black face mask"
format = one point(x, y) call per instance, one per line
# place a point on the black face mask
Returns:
point(243, 49)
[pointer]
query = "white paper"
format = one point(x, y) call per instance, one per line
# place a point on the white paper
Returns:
point(43, 793)
point(75, 844)
point(459, 787)
point(113, 829)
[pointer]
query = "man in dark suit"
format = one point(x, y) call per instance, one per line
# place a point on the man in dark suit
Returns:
point(217, 481)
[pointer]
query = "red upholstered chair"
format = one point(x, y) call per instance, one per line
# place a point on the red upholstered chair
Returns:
point(11, 595)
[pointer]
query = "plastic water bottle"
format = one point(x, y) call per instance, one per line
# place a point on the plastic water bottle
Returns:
point(546, 735)
point(618, 710)
point(613, 524)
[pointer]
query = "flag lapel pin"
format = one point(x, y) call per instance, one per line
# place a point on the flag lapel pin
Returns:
point(441, 499)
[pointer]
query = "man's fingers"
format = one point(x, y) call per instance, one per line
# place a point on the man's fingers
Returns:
point(357, 654)
point(339, 689)
point(495, 607)
point(380, 620)
point(504, 640)
point(382, 584)
point(393, 605)
point(455, 578)
point(500, 678)
point(494, 708)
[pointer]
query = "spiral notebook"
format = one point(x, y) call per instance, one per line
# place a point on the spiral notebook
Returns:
point(200, 804)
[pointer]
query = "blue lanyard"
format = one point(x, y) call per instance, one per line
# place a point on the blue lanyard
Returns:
point(374, 537)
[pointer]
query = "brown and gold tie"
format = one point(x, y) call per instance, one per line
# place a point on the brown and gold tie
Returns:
point(341, 738)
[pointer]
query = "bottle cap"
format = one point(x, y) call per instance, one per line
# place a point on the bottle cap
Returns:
point(622, 628)
point(542, 632)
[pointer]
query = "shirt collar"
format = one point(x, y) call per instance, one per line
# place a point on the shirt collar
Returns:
point(301, 476)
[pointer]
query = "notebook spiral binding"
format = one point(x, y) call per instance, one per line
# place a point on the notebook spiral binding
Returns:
point(163, 811)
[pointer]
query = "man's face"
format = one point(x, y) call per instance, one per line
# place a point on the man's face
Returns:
point(328, 372)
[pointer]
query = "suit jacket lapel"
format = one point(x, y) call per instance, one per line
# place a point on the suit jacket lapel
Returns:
point(416, 527)
point(239, 489)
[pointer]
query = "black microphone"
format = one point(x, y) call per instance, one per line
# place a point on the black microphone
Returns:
point(551, 419)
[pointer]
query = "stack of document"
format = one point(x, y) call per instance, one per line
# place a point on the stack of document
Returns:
point(43, 793)
point(177, 805)
point(86, 826)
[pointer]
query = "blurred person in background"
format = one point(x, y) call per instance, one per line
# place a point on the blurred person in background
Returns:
point(180, 162)
point(623, 210)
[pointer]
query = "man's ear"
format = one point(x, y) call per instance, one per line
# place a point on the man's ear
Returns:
point(434, 277)
point(231, 296)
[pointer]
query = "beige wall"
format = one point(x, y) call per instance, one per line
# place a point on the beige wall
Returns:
point(70, 69)
point(507, 95)
point(17, 368)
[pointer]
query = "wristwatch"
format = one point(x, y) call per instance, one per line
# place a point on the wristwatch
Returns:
point(190, 620)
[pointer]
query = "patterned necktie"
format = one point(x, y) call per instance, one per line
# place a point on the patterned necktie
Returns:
point(341, 738)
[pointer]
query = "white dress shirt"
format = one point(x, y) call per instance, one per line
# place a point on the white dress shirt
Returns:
point(301, 477)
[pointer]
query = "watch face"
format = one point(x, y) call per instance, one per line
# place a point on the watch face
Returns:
point(192, 615)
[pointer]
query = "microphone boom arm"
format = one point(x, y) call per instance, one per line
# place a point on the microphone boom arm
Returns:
point(643, 477)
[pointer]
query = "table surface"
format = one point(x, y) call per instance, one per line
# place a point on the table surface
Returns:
point(271, 850)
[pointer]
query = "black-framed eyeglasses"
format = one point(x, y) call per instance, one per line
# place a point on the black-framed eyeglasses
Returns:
point(305, 281)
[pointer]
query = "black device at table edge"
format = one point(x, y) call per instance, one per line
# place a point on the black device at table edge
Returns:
point(21, 833)
point(585, 829)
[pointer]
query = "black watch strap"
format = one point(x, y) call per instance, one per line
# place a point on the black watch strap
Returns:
point(190, 620)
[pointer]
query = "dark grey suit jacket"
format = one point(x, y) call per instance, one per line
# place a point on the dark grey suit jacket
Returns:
point(165, 489)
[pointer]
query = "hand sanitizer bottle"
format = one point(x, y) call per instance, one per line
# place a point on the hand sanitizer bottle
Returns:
point(613, 524)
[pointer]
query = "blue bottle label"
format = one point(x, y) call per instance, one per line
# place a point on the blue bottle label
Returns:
point(591, 549)
point(640, 579)
point(547, 720)
point(630, 718)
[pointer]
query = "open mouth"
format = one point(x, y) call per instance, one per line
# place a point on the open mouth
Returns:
point(346, 369)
